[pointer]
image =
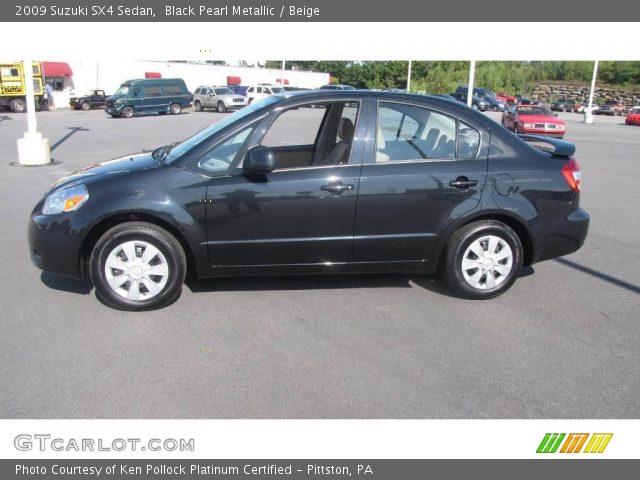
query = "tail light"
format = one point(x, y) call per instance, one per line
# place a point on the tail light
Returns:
point(571, 174)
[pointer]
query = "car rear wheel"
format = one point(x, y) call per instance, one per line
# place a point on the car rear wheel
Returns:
point(17, 105)
point(198, 107)
point(137, 266)
point(475, 106)
point(85, 105)
point(127, 112)
point(175, 108)
point(482, 260)
point(221, 107)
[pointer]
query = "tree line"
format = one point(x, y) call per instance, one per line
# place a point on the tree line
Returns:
point(445, 76)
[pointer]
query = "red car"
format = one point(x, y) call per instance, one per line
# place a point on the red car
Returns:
point(535, 120)
point(506, 98)
point(633, 117)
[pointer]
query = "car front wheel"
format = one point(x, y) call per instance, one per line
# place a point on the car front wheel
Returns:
point(137, 266)
point(221, 107)
point(85, 105)
point(482, 260)
point(127, 112)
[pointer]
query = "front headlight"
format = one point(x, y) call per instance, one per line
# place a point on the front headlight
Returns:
point(529, 125)
point(65, 200)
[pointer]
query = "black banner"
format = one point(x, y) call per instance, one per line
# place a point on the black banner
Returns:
point(315, 469)
point(489, 11)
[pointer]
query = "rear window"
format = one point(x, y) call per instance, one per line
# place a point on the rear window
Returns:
point(172, 90)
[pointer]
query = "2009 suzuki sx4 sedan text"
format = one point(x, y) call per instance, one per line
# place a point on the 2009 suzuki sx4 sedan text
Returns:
point(365, 182)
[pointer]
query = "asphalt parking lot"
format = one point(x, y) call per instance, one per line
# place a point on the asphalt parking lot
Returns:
point(562, 343)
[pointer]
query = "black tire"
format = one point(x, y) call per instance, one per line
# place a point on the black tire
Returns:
point(151, 234)
point(459, 242)
point(127, 112)
point(475, 106)
point(18, 105)
point(198, 107)
point(221, 108)
point(85, 105)
point(175, 108)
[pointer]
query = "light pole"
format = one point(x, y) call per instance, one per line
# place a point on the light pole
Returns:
point(472, 75)
point(409, 77)
point(32, 148)
point(588, 116)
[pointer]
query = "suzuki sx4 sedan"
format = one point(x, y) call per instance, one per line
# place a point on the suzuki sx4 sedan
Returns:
point(369, 182)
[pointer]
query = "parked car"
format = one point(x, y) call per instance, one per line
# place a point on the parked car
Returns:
point(583, 108)
point(476, 102)
point(489, 97)
point(259, 92)
point(220, 98)
point(91, 99)
point(149, 95)
point(564, 105)
point(337, 87)
point(633, 117)
point(612, 107)
point(523, 100)
point(533, 119)
point(506, 98)
point(373, 182)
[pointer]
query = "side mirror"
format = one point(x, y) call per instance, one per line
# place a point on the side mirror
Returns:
point(259, 160)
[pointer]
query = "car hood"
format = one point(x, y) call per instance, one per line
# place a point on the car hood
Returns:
point(127, 164)
point(541, 119)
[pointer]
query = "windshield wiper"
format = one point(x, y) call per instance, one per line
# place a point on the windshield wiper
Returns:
point(161, 153)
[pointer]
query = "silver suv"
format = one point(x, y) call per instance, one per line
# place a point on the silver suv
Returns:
point(221, 98)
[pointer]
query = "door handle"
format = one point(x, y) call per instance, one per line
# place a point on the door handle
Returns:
point(337, 188)
point(463, 183)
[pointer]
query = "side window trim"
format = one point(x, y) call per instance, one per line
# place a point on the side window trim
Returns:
point(270, 119)
point(375, 129)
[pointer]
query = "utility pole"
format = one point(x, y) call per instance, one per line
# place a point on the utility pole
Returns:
point(472, 75)
point(409, 77)
point(588, 116)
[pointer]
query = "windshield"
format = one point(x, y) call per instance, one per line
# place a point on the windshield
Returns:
point(223, 91)
point(123, 90)
point(534, 111)
point(635, 110)
point(277, 89)
point(202, 135)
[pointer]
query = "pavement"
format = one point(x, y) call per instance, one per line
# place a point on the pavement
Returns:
point(562, 343)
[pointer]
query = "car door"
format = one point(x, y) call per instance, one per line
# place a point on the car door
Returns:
point(98, 98)
point(302, 212)
point(210, 98)
point(423, 169)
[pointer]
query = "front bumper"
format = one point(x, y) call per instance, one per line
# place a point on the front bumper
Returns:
point(54, 244)
point(540, 131)
point(113, 110)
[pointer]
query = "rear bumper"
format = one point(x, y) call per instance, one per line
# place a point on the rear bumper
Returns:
point(564, 237)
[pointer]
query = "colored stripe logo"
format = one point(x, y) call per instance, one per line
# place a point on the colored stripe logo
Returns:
point(574, 442)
